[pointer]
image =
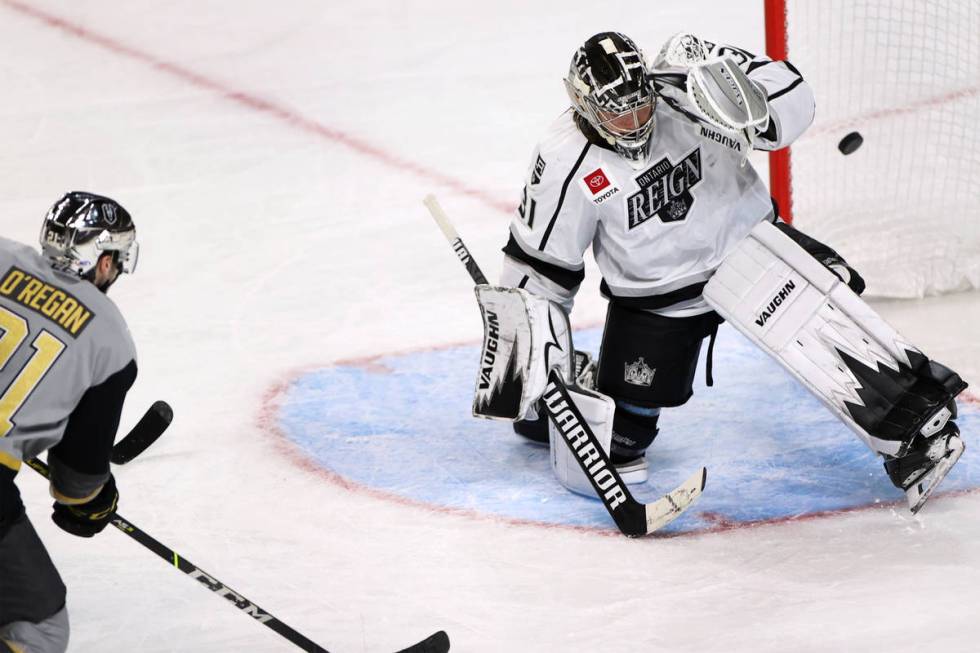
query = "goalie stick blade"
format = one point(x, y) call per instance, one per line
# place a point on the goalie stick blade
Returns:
point(633, 518)
point(150, 427)
point(671, 506)
point(436, 643)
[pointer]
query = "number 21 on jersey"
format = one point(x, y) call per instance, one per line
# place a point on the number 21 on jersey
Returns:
point(47, 349)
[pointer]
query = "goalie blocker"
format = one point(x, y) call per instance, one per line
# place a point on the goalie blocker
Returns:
point(889, 393)
point(525, 336)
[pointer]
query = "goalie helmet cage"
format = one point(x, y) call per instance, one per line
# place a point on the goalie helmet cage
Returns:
point(904, 209)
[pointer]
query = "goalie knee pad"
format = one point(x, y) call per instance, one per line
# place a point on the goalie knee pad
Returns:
point(795, 309)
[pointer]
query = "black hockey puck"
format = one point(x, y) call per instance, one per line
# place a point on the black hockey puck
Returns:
point(850, 143)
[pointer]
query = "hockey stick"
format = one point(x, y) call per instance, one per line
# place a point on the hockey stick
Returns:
point(449, 231)
point(631, 517)
point(437, 643)
point(150, 427)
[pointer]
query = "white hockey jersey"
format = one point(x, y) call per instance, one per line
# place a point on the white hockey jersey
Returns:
point(660, 231)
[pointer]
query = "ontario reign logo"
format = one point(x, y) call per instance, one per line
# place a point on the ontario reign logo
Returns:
point(665, 190)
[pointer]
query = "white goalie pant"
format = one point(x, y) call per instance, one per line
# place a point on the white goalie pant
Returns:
point(525, 337)
point(800, 313)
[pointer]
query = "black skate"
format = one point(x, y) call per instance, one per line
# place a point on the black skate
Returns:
point(926, 464)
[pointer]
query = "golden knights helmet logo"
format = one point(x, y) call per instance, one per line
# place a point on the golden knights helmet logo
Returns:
point(639, 373)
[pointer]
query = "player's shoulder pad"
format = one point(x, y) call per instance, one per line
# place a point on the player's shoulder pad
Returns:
point(562, 144)
point(111, 318)
point(12, 249)
point(78, 312)
point(110, 336)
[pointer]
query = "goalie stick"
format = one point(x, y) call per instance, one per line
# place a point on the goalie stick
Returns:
point(631, 517)
point(436, 643)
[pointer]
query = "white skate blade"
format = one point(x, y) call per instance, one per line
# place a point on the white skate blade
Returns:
point(670, 507)
point(918, 493)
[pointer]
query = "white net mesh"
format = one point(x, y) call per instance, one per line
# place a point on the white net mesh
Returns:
point(904, 209)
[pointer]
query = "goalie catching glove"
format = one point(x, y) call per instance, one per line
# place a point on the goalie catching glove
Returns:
point(721, 93)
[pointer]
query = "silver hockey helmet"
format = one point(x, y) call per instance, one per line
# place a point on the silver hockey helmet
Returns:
point(611, 88)
point(80, 227)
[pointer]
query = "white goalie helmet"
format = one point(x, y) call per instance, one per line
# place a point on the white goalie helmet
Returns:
point(80, 227)
point(611, 88)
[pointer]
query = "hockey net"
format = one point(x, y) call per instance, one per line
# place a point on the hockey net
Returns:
point(904, 209)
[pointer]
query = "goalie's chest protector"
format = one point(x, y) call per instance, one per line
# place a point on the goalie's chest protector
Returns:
point(668, 225)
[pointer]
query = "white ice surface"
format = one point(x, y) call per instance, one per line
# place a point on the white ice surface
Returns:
point(274, 156)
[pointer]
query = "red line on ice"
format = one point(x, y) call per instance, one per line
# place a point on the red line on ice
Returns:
point(267, 107)
point(268, 411)
point(915, 107)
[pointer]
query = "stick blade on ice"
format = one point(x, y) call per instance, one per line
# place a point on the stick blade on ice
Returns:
point(435, 643)
point(672, 505)
point(150, 427)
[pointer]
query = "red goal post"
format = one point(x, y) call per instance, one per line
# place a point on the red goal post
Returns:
point(904, 209)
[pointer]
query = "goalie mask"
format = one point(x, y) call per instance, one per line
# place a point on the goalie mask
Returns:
point(610, 87)
point(80, 227)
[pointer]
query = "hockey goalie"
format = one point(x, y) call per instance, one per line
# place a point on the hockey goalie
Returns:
point(649, 168)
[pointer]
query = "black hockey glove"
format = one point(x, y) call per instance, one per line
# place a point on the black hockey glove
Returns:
point(87, 519)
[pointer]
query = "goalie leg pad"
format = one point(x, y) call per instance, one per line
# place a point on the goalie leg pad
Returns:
point(598, 411)
point(534, 429)
point(525, 336)
point(803, 315)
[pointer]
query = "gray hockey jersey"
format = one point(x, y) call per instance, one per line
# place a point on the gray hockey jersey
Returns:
point(66, 362)
point(660, 231)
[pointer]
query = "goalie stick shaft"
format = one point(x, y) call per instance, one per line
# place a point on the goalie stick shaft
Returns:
point(449, 231)
point(631, 517)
